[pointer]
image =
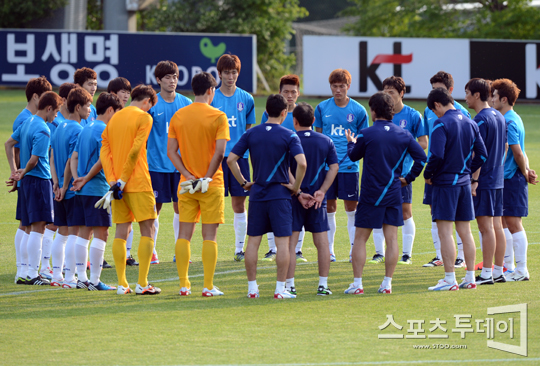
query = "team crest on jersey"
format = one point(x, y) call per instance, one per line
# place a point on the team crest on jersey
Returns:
point(268, 128)
point(403, 123)
point(156, 194)
point(460, 116)
point(493, 112)
point(387, 128)
point(350, 117)
point(240, 106)
point(307, 134)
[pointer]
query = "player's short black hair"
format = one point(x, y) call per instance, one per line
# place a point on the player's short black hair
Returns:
point(83, 74)
point(142, 91)
point(49, 98)
point(201, 82)
point(275, 104)
point(65, 88)
point(37, 86)
point(383, 105)
point(444, 78)
point(106, 100)
point(395, 82)
point(303, 113)
point(77, 96)
point(117, 84)
point(478, 85)
point(439, 95)
point(165, 68)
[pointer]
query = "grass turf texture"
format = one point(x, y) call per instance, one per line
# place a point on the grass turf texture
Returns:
point(43, 325)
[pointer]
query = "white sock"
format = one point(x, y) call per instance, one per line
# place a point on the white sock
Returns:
point(271, 242)
point(460, 254)
point(350, 227)
point(176, 225)
point(408, 232)
point(35, 241)
point(387, 282)
point(18, 239)
point(70, 262)
point(480, 236)
point(252, 286)
point(497, 271)
point(323, 281)
point(81, 258)
point(331, 231)
point(46, 248)
point(97, 252)
point(289, 282)
point(300, 240)
point(358, 282)
point(486, 272)
point(378, 239)
point(240, 230)
point(156, 231)
point(129, 244)
point(520, 249)
point(280, 287)
point(469, 276)
point(509, 254)
point(57, 255)
point(436, 240)
point(24, 255)
point(450, 277)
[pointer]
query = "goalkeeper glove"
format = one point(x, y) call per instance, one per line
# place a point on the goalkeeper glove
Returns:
point(113, 193)
point(186, 186)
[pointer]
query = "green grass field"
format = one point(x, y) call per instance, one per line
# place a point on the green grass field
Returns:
point(49, 326)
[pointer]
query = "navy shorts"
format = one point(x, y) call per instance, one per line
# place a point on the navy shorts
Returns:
point(36, 202)
point(344, 187)
point(92, 216)
point(488, 202)
point(68, 213)
point(18, 210)
point(427, 194)
point(452, 203)
point(373, 217)
point(314, 221)
point(270, 216)
point(231, 184)
point(165, 186)
point(516, 196)
point(406, 193)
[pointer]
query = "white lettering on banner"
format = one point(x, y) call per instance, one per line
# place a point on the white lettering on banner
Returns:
point(50, 49)
point(68, 71)
point(337, 130)
point(69, 48)
point(150, 78)
point(96, 48)
point(183, 74)
point(213, 70)
point(20, 76)
point(532, 72)
point(105, 68)
point(182, 70)
point(28, 48)
point(195, 70)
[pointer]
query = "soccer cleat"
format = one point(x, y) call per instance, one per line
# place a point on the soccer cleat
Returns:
point(435, 262)
point(269, 257)
point(38, 281)
point(88, 265)
point(442, 285)
point(57, 283)
point(46, 273)
point(405, 259)
point(466, 285)
point(121, 290)
point(323, 291)
point(332, 257)
point(106, 265)
point(284, 295)
point(300, 257)
point(516, 276)
point(385, 290)
point(484, 281)
point(184, 291)
point(213, 292)
point(130, 261)
point(500, 279)
point(21, 281)
point(377, 258)
point(239, 257)
point(291, 290)
point(253, 294)
point(148, 290)
point(460, 263)
point(82, 285)
point(100, 287)
point(353, 290)
point(69, 285)
point(154, 259)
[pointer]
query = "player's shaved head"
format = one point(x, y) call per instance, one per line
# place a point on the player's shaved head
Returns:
point(395, 82)
point(37, 86)
point(506, 88)
point(382, 105)
point(275, 104)
point(480, 86)
point(340, 76)
point(83, 74)
point(439, 95)
point(106, 100)
point(228, 62)
point(77, 96)
point(201, 82)
point(49, 99)
point(166, 68)
point(141, 92)
point(119, 83)
point(304, 114)
point(65, 88)
point(443, 78)
point(289, 80)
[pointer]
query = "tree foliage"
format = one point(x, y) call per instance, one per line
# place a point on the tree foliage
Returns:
point(19, 13)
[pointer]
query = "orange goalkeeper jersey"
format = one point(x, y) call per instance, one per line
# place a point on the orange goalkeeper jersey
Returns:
point(196, 127)
point(123, 150)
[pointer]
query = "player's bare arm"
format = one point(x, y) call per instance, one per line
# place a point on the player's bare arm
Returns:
point(423, 141)
point(218, 156)
point(81, 181)
point(301, 168)
point(232, 162)
point(350, 136)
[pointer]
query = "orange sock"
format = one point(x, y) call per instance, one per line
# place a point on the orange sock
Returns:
point(209, 259)
point(146, 247)
point(119, 254)
point(183, 254)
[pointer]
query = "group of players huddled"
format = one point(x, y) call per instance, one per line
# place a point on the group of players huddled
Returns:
point(79, 168)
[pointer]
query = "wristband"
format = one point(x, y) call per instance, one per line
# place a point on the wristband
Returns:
point(243, 184)
point(299, 193)
point(474, 180)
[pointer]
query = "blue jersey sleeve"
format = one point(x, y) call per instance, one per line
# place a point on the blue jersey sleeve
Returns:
point(332, 154)
point(356, 151)
point(512, 133)
point(295, 147)
point(16, 135)
point(242, 145)
point(419, 156)
point(361, 120)
point(250, 114)
point(73, 139)
point(420, 128)
point(436, 150)
point(264, 117)
point(318, 117)
point(40, 144)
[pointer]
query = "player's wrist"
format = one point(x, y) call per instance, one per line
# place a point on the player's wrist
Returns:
point(474, 180)
point(244, 183)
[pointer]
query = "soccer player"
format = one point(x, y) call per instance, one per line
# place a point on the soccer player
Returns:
point(90, 185)
point(67, 214)
point(443, 80)
point(487, 183)
point(454, 138)
point(319, 151)
point(383, 147)
point(516, 176)
point(289, 87)
point(271, 147)
point(87, 79)
point(201, 133)
point(411, 120)
point(165, 177)
point(122, 88)
point(123, 157)
point(239, 107)
point(35, 191)
point(332, 117)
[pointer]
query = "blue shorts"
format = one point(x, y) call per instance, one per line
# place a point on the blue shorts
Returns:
point(373, 217)
point(427, 194)
point(231, 184)
point(344, 187)
point(452, 203)
point(314, 221)
point(516, 196)
point(36, 200)
point(92, 216)
point(406, 193)
point(270, 216)
point(488, 202)
point(18, 210)
point(165, 186)
point(68, 213)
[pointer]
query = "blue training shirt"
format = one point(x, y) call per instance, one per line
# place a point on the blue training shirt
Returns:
point(23, 116)
point(320, 152)
point(492, 127)
point(383, 147)
point(454, 139)
point(334, 121)
point(161, 113)
point(88, 147)
point(91, 117)
point(34, 138)
point(287, 122)
point(240, 111)
point(411, 120)
point(63, 143)
point(271, 146)
point(516, 135)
